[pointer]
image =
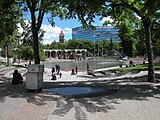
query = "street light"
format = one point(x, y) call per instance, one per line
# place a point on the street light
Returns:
point(7, 56)
point(94, 46)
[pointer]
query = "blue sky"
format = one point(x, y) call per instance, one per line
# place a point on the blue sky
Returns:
point(52, 33)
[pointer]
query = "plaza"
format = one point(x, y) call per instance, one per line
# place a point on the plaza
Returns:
point(134, 99)
point(129, 93)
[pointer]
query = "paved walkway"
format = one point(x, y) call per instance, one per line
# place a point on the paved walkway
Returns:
point(134, 100)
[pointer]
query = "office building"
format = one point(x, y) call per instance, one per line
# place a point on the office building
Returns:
point(100, 33)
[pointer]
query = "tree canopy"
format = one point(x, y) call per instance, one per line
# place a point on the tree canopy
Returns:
point(9, 17)
point(126, 14)
point(147, 10)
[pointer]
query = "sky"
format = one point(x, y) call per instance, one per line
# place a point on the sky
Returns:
point(52, 33)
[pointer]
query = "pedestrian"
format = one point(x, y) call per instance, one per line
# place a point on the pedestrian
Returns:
point(76, 69)
point(60, 74)
point(53, 71)
point(17, 78)
point(53, 77)
point(72, 73)
point(87, 67)
point(58, 69)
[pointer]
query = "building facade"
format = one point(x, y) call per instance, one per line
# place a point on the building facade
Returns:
point(61, 37)
point(100, 33)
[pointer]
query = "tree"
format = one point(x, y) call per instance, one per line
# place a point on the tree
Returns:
point(37, 9)
point(10, 14)
point(9, 17)
point(147, 10)
point(26, 35)
point(27, 53)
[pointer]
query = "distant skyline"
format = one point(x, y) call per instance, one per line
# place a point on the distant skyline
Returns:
point(52, 33)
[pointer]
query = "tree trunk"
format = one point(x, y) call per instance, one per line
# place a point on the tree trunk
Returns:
point(36, 25)
point(147, 26)
point(36, 47)
point(35, 38)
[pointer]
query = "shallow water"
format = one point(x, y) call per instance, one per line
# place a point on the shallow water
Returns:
point(97, 63)
point(75, 90)
point(80, 91)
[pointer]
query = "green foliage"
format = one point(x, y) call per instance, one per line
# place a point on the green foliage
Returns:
point(120, 11)
point(4, 51)
point(26, 34)
point(10, 14)
point(142, 67)
point(93, 47)
point(27, 53)
point(42, 54)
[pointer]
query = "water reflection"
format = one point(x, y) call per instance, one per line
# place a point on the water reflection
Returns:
point(96, 63)
point(81, 91)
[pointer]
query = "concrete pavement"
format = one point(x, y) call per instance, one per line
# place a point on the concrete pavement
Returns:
point(135, 99)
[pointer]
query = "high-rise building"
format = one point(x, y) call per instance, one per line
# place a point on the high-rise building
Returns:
point(61, 37)
point(100, 33)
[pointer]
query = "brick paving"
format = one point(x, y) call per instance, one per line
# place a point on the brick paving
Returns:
point(23, 105)
point(30, 111)
point(17, 104)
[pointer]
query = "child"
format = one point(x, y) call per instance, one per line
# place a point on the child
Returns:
point(60, 74)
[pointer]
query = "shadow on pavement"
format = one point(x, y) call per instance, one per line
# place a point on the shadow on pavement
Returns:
point(127, 89)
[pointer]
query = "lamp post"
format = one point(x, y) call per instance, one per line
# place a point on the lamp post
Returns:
point(94, 52)
point(7, 53)
point(0, 51)
point(102, 51)
point(94, 46)
point(98, 47)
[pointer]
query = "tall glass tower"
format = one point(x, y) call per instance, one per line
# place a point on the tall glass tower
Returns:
point(100, 33)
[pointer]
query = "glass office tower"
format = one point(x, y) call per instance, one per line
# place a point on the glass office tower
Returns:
point(100, 33)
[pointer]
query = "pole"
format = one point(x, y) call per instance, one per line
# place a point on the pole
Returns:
point(7, 54)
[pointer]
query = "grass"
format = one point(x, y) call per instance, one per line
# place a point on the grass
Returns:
point(141, 67)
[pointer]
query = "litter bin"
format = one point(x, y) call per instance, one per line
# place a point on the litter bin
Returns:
point(34, 77)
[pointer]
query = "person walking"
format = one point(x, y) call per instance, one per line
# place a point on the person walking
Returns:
point(76, 69)
point(58, 69)
point(87, 67)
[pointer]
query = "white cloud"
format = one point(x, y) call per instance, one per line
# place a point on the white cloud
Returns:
point(49, 41)
point(106, 19)
point(50, 32)
point(68, 31)
point(20, 29)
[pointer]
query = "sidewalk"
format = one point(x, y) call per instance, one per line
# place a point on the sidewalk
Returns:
point(135, 99)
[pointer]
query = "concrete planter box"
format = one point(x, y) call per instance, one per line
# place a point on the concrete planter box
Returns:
point(34, 77)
